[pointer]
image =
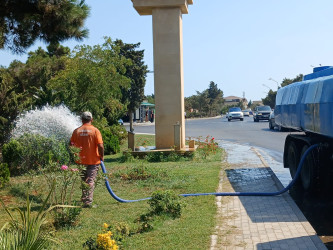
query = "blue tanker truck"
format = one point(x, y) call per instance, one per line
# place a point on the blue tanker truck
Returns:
point(307, 107)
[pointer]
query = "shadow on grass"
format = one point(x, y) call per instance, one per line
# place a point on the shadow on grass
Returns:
point(115, 159)
point(18, 192)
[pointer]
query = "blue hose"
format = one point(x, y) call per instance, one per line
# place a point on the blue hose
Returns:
point(298, 172)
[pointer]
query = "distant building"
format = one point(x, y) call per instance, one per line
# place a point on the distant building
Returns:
point(257, 103)
point(145, 113)
point(234, 100)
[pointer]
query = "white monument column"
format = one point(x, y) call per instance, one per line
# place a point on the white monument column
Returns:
point(168, 68)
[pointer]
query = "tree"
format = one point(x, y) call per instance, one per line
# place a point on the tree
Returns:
point(93, 79)
point(270, 98)
point(249, 104)
point(271, 95)
point(13, 100)
point(150, 98)
point(24, 85)
point(23, 22)
point(136, 71)
point(215, 97)
point(287, 81)
point(208, 102)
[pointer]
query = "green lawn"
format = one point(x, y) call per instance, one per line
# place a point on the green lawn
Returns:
point(191, 231)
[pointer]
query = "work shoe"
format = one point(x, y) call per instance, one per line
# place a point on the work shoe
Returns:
point(89, 205)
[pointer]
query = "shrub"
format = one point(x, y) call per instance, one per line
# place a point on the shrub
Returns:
point(31, 151)
point(155, 156)
point(27, 233)
point(104, 240)
point(12, 154)
point(116, 130)
point(127, 156)
point(67, 217)
point(4, 174)
point(166, 202)
point(167, 156)
point(207, 147)
point(111, 140)
point(111, 146)
point(137, 173)
point(65, 178)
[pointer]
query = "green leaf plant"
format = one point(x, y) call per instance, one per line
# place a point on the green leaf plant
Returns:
point(27, 233)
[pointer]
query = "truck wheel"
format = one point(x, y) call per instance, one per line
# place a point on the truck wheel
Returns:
point(308, 173)
point(292, 160)
point(242, 119)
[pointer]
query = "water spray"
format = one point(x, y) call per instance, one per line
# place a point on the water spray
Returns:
point(58, 122)
point(298, 172)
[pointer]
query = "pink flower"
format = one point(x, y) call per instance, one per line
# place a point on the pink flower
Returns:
point(74, 170)
point(64, 167)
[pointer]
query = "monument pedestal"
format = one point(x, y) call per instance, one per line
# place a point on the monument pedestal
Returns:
point(168, 68)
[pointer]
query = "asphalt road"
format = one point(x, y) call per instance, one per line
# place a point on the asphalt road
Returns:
point(245, 132)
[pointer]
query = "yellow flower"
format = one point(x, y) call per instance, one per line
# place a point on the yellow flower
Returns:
point(105, 225)
point(104, 241)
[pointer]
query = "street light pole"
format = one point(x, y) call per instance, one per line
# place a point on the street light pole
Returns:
point(277, 84)
point(266, 86)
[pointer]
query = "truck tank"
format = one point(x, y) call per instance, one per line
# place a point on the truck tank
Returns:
point(307, 106)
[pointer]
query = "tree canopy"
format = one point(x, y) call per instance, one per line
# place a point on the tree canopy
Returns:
point(136, 71)
point(207, 102)
point(93, 78)
point(271, 95)
point(22, 22)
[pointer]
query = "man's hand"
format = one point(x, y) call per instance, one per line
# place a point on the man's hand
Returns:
point(101, 151)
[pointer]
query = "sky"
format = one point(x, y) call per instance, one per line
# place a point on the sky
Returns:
point(238, 44)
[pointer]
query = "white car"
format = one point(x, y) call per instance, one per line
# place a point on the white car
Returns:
point(246, 112)
point(235, 113)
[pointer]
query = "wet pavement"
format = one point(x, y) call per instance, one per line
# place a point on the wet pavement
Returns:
point(257, 222)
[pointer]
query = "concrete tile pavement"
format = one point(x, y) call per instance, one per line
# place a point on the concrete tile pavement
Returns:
point(257, 222)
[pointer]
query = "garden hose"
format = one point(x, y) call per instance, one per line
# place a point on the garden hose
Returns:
point(298, 172)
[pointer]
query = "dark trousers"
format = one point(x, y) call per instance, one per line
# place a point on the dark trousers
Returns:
point(89, 177)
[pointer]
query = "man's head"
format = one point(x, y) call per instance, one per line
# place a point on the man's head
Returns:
point(86, 117)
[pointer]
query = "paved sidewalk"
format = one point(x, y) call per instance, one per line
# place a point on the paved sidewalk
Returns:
point(254, 222)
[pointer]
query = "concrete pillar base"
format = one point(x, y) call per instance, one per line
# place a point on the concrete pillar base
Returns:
point(131, 140)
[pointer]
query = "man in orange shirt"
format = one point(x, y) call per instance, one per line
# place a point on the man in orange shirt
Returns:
point(89, 140)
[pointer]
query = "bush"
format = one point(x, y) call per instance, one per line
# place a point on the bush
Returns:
point(12, 154)
point(111, 145)
point(105, 240)
point(29, 152)
point(167, 156)
point(207, 147)
point(67, 217)
point(136, 173)
point(112, 137)
point(4, 174)
point(27, 232)
point(155, 156)
point(127, 156)
point(166, 202)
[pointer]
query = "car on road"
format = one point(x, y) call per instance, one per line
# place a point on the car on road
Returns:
point(121, 122)
point(235, 113)
point(271, 121)
point(272, 124)
point(262, 113)
point(246, 112)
